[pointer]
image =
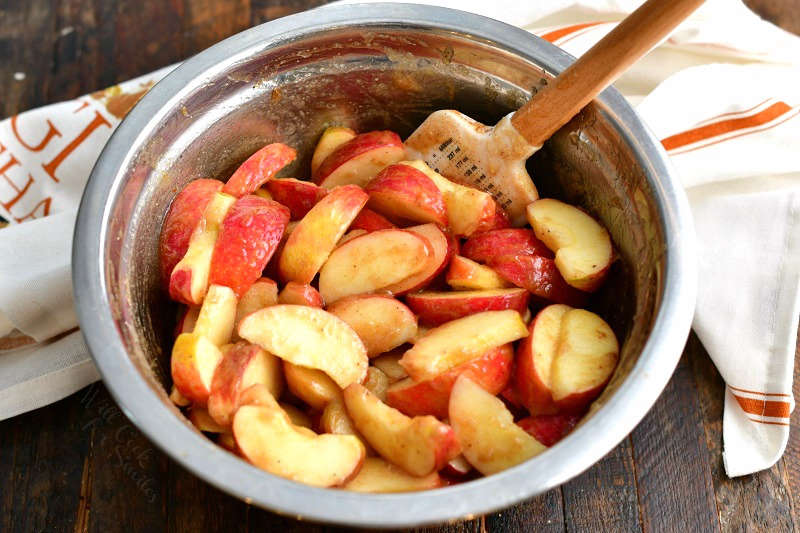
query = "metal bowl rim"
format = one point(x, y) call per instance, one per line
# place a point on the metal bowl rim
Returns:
point(585, 446)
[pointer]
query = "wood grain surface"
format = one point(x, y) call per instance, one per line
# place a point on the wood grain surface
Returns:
point(80, 464)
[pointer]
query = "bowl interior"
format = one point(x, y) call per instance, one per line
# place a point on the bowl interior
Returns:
point(379, 76)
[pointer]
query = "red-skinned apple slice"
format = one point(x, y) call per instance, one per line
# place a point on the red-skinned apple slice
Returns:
point(331, 139)
point(549, 429)
point(419, 445)
point(468, 209)
point(217, 315)
point(582, 246)
point(194, 360)
point(436, 308)
point(540, 276)
point(358, 160)
point(373, 262)
point(299, 196)
point(442, 249)
point(498, 220)
point(369, 220)
point(401, 192)
point(300, 294)
point(182, 218)
point(309, 337)
point(258, 169)
point(486, 430)
point(316, 235)
point(379, 476)
point(535, 355)
point(250, 233)
point(189, 279)
point(242, 366)
point(389, 364)
point(381, 322)
point(462, 340)
point(263, 293)
point(268, 439)
point(491, 371)
point(587, 356)
point(312, 386)
point(465, 274)
point(488, 246)
point(350, 235)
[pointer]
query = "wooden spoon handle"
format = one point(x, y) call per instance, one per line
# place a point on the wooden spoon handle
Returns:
point(561, 99)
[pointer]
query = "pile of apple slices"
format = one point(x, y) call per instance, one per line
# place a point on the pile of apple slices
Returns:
point(358, 330)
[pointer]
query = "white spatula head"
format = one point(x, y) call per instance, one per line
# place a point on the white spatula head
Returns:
point(491, 159)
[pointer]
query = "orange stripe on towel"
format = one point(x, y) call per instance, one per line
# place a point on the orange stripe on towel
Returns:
point(764, 407)
point(722, 127)
point(757, 392)
point(555, 35)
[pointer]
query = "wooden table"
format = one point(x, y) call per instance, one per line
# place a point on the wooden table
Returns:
point(80, 465)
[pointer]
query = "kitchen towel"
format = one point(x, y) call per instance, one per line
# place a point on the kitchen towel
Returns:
point(722, 93)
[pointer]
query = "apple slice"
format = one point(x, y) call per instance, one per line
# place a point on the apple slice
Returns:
point(540, 276)
point(335, 420)
point(535, 355)
point(487, 247)
point(330, 140)
point(227, 441)
point(442, 251)
point(300, 294)
point(436, 308)
point(358, 160)
point(549, 429)
point(376, 382)
point(587, 356)
point(269, 440)
point(486, 430)
point(379, 476)
point(263, 293)
point(312, 386)
point(462, 340)
point(316, 235)
point(419, 445)
point(465, 274)
point(217, 315)
point(187, 320)
point(372, 262)
point(401, 192)
point(299, 196)
point(189, 279)
point(468, 209)
point(194, 360)
point(458, 467)
point(491, 371)
point(242, 366)
point(389, 364)
point(498, 220)
point(178, 399)
point(582, 246)
point(310, 337)
point(203, 421)
point(258, 169)
point(350, 235)
point(261, 192)
point(381, 322)
point(182, 218)
point(369, 220)
point(249, 236)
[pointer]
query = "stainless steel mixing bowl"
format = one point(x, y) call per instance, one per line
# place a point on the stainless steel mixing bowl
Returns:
point(374, 66)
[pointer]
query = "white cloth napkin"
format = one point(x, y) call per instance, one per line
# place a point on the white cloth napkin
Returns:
point(722, 93)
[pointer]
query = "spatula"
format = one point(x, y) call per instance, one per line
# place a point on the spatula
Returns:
point(493, 158)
